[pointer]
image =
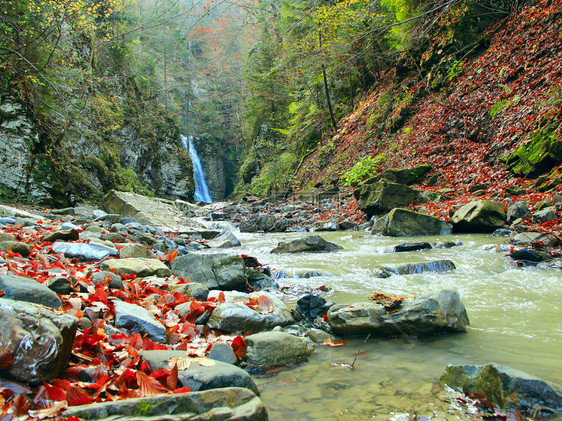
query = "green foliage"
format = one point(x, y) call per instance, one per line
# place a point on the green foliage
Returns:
point(145, 408)
point(275, 176)
point(363, 170)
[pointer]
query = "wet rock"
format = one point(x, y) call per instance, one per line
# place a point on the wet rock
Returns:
point(83, 251)
point(329, 226)
point(318, 335)
point(26, 289)
point(411, 247)
point(217, 271)
point(192, 289)
point(263, 223)
point(502, 232)
point(270, 349)
point(223, 352)
point(530, 255)
point(517, 210)
point(238, 317)
point(406, 223)
point(427, 314)
point(137, 318)
point(40, 340)
point(17, 247)
point(383, 196)
point(60, 285)
point(137, 266)
point(114, 280)
point(211, 374)
point(479, 216)
point(134, 250)
point(311, 244)
point(412, 268)
point(311, 306)
point(228, 404)
point(259, 281)
point(524, 238)
point(66, 235)
point(503, 386)
point(225, 240)
point(348, 226)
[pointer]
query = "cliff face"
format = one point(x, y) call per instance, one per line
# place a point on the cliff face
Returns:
point(220, 171)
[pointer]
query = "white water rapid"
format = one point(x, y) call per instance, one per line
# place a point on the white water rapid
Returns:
point(201, 189)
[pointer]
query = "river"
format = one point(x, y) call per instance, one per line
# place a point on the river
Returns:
point(515, 316)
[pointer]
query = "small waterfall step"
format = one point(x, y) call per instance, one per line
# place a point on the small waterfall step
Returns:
point(202, 193)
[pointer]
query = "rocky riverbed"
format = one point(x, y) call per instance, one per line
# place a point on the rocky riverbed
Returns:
point(144, 309)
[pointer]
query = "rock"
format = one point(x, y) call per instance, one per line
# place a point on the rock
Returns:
point(479, 216)
point(40, 340)
point(383, 196)
point(544, 215)
point(4, 236)
point(406, 176)
point(134, 250)
point(223, 352)
point(114, 282)
point(264, 223)
point(271, 349)
point(503, 386)
point(225, 240)
point(517, 210)
point(411, 268)
point(412, 247)
point(228, 404)
point(348, 226)
point(66, 235)
point(259, 281)
point(60, 285)
point(217, 271)
point(530, 255)
point(502, 232)
point(427, 314)
point(524, 238)
point(317, 335)
point(329, 226)
point(405, 223)
point(113, 237)
point(238, 317)
point(309, 244)
point(311, 306)
point(137, 318)
point(84, 251)
point(137, 266)
point(211, 374)
point(192, 289)
point(26, 289)
point(17, 247)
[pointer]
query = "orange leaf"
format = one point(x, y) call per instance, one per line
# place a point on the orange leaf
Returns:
point(172, 379)
point(330, 342)
point(239, 347)
point(149, 386)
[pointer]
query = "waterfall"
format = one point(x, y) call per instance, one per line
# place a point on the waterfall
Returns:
point(201, 189)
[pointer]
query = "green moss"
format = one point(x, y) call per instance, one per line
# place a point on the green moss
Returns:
point(145, 408)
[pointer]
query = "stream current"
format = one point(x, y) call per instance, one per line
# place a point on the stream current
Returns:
point(515, 315)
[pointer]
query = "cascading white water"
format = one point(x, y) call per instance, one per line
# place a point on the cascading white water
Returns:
point(201, 189)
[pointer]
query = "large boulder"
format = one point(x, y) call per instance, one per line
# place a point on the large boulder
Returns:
point(137, 266)
point(427, 314)
point(227, 404)
point(265, 312)
point(215, 271)
point(479, 216)
point(201, 373)
point(504, 386)
point(383, 196)
point(270, 349)
point(406, 176)
point(26, 289)
point(313, 243)
point(39, 340)
point(406, 223)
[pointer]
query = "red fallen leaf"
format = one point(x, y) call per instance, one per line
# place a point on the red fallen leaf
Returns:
point(2, 293)
point(221, 298)
point(78, 396)
point(6, 359)
point(171, 256)
point(172, 379)
point(161, 374)
point(145, 368)
point(100, 295)
point(182, 390)
point(50, 411)
point(330, 342)
point(63, 384)
point(22, 406)
point(149, 386)
point(160, 347)
point(54, 393)
point(239, 347)
point(189, 329)
point(136, 341)
point(125, 379)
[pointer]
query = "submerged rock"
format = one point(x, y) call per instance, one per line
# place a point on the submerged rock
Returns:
point(311, 244)
point(427, 314)
point(412, 247)
point(270, 349)
point(406, 223)
point(228, 404)
point(40, 340)
point(504, 386)
point(409, 269)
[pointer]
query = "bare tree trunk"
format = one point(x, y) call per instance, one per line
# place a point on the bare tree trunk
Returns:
point(327, 91)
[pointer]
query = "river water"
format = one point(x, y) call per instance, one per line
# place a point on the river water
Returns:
point(515, 316)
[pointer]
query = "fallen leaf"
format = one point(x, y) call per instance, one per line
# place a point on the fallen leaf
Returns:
point(330, 342)
point(239, 347)
point(182, 363)
point(149, 386)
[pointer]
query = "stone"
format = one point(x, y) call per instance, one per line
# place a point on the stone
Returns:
point(530, 255)
point(192, 289)
point(479, 216)
point(227, 404)
point(263, 223)
point(83, 251)
point(137, 266)
point(271, 349)
point(545, 215)
point(517, 210)
point(525, 238)
point(225, 240)
point(40, 340)
point(412, 247)
point(113, 237)
point(259, 280)
point(311, 244)
point(383, 196)
point(406, 176)
point(114, 282)
point(412, 268)
point(503, 386)
point(98, 214)
point(137, 318)
point(223, 352)
point(212, 374)
point(134, 250)
point(216, 271)
point(406, 223)
point(318, 335)
point(238, 317)
point(312, 306)
point(432, 313)
point(17, 247)
point(60, 285)
point(26, 289)
point(348, 226)
point(4, 236)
